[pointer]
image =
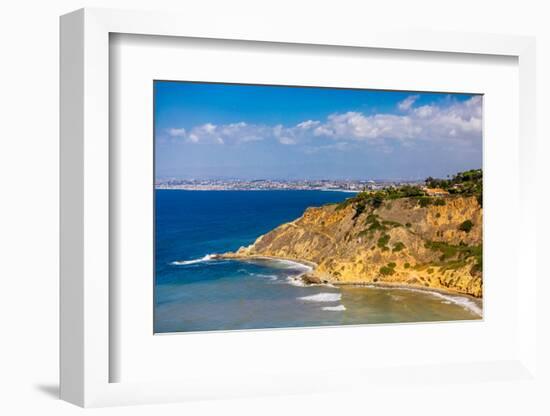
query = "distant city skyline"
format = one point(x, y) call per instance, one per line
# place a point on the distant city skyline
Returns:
point(246, 132)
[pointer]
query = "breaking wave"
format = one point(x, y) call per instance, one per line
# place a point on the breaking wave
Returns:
point(322, 297)
point(339, 308)
point(265, 276)
point(289, 264)
point(208, 257)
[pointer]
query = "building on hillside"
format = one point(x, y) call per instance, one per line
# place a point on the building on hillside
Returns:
point(435, 191)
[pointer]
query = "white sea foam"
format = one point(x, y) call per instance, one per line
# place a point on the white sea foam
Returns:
point(323, 297)
point(208, 257)
point(463, 301)
point(265, 276)
point(338, 308)
point(466, 303)
point(295, 281)
point(290, 264)
point(262, 275)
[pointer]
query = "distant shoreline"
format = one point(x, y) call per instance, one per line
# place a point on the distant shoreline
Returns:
point(254, 189)
point(323, 185)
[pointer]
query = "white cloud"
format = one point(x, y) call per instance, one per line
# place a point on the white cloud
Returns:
point(459, 120)
point(354, 125)
point(407, 103)
point(286, 140)
point(175, 132)
point(308, 124)
point(424, 111)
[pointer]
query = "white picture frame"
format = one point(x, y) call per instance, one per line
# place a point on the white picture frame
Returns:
point(86, 356)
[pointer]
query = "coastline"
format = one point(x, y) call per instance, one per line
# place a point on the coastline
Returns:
point(308, 280)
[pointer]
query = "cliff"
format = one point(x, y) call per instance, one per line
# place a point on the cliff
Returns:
point(436, 244)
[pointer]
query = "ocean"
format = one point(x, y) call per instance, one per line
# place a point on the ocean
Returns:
point(194, 292)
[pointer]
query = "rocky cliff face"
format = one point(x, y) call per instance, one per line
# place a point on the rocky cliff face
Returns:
point(400, 242)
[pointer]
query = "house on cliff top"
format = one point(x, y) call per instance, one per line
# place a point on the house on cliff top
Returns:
point(435, 191)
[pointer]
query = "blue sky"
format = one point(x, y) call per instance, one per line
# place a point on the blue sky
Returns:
point(227, 131)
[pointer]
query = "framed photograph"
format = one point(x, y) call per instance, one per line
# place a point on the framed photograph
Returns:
point(237, 207)
point(280, 207)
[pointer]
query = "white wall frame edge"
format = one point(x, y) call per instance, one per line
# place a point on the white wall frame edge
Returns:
point(528, 222)
point(71, 207)
point(84, 153)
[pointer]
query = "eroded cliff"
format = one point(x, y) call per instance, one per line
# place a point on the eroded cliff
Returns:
point(400, 241)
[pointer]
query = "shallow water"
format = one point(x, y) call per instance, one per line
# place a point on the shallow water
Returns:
point(263, 294)
point(194, 292)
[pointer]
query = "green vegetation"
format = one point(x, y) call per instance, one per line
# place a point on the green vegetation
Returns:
point(466, 226)
point(374, 224)
point(478, 267)
point(388, 270)
point(359, 208)
point(456, 256)
point(424, 201)
point(407, 265)
point(404, 191)
point(398, 246)
point(376, 200)
point(371, 218)
point(468, 183)
point(383, 241)
point(392, 224)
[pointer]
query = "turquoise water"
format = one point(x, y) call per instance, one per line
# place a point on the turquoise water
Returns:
point(196, 293)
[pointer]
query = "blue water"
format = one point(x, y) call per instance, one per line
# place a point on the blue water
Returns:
point(195, 293)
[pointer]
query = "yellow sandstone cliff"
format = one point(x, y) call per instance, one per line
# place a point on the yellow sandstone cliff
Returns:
point(401, 242)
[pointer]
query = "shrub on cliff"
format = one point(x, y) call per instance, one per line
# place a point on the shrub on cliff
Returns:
point(392, 224)
point(377, 199)
point(398, 246)
point(382, 241)
point(404, 191)
point(386, 271)
point(466, 226)
point(448, 250)
point(424, 201)
point(359, 209)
